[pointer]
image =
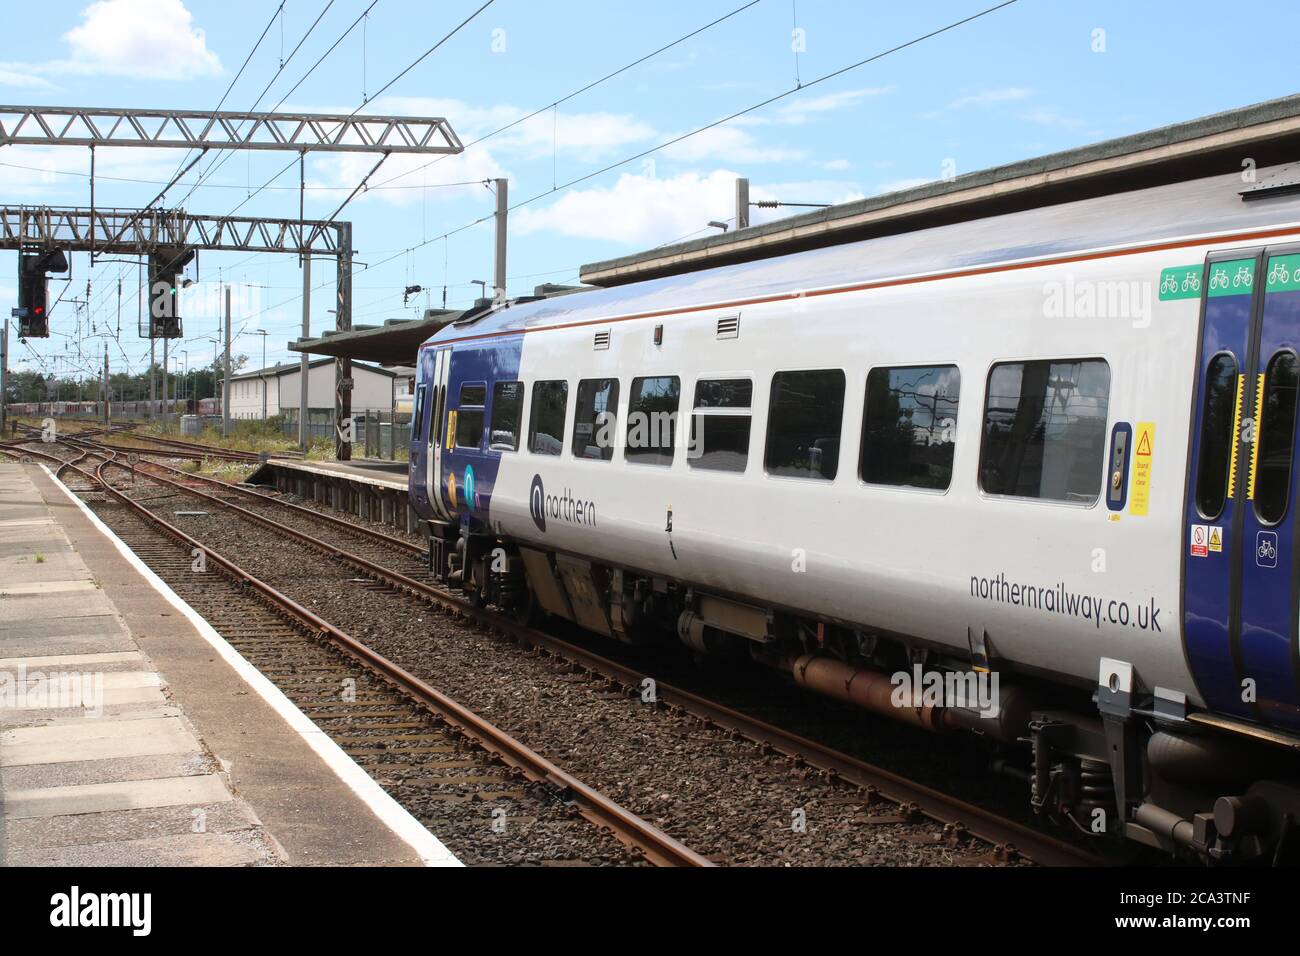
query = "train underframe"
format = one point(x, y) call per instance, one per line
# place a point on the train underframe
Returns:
point(1116, 762)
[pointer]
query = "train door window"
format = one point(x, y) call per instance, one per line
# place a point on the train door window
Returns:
point(652, 419)
point(546, 421)
point(469, 415)
point(1217, 435)
point(1276, 437)
point(593, 419)
point(720, 424)
point(507, 416)
point(1045, 429)
point(418, 417)
point(803, 424)
point(909, 426)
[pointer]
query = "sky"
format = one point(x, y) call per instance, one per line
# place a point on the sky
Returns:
point(1032, 78)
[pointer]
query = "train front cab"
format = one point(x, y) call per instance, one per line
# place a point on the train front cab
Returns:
point(454, 464)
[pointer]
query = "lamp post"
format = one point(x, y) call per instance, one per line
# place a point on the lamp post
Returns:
point(263, 333)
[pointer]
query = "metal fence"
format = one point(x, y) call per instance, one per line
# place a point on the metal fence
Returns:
point(382, 434)
point(320, 423)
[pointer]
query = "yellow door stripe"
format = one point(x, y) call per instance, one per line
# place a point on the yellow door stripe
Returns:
point(1236, 439)
point(1254, 444)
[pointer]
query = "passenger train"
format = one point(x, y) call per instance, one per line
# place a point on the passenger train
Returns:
point(141, 408)
point(1048, 453)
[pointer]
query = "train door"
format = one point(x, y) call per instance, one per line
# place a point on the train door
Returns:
point(437, 430)
point(1240, 557)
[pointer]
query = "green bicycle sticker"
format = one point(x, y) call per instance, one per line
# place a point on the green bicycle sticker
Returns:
point(1180, 282)
point(1283, 274)
point(1232, 278)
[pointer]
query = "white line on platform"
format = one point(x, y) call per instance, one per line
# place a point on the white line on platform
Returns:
point(397, 818)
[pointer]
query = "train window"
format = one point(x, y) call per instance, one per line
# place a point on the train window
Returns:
point(720, 424)
point(1277, 418)
point(593, 419)
point(417, 418)
point(507, 415)
point(546, 421)
point(1217, 435)
point(469, 416)
point(652, 419)
point(909, 426)
point(1045, 429)
point(803, 425)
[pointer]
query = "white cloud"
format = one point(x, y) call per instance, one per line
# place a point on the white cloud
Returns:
point(638, 210)
point(28, 172)
point(799, 111)
point(141, 39)
point(989, 97)
point(731, 144)
point(348, 169)
point(982, 99)
point(24, 80)
point(592, 135)
point(1046, 116)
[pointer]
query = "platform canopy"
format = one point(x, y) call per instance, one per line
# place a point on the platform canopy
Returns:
point(393, 343)
point(397, 341)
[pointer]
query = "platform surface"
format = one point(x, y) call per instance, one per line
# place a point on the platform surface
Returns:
point(385, 474)
point(126, 739)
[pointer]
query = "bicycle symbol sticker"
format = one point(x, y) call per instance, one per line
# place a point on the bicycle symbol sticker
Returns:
point(1266, 549)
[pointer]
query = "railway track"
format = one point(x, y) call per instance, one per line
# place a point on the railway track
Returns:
point(421, 745)
point(948, 820)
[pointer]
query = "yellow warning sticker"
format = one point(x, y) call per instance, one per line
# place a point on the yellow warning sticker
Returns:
point(1254, 440)
point(1216, 538)
point(451, 429)
point(1144, 451)
point(1236, 436)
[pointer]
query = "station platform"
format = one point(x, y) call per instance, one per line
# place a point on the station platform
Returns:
point(131, 734)
point(371, 489)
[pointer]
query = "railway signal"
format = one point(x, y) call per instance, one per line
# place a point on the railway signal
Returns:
point(33, 292)
point(165, 266)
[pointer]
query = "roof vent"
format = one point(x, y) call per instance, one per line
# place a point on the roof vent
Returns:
point(602, 340)
point(729, 327)
point(1279, 182)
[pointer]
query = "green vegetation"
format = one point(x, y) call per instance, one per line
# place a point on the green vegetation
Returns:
point(245, 435)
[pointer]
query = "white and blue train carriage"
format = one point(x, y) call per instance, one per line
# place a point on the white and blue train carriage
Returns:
point(1055, 445)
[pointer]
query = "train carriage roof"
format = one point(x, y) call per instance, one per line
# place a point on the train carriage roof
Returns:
point(1212, 205)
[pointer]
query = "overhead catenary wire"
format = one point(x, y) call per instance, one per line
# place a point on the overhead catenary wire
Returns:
point(582, 89)
point(684, 136)
point(182, 168)
point(677, 139)
point(216, 164)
